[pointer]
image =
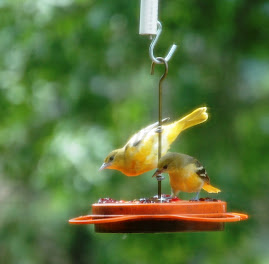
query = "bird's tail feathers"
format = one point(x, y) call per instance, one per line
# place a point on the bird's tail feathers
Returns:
point(210, 189)
point(194, 118)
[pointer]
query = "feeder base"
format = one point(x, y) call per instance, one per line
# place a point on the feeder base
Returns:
point(157, 226)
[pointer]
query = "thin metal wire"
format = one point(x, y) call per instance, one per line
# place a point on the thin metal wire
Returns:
point(163, 61)
point(152, 46)
point(160, 60)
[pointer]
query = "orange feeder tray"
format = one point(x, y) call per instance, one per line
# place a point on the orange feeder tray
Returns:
point(173, 216)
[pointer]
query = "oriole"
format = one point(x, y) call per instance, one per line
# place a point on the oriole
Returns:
point(140, 153)
point(186, 174)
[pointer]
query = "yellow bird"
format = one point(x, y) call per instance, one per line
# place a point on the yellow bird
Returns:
point(140, 153)
point(186, 174)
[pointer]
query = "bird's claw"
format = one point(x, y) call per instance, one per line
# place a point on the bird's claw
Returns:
point(160, 177)
point(196, 198)
point(159, 130)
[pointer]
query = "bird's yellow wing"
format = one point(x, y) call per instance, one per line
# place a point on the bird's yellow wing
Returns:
point(138, 138)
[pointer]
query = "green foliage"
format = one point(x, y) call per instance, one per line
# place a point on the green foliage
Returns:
point(75, 84)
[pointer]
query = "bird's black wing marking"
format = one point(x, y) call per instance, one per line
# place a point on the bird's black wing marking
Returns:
point(140, 135)
point(201, 172)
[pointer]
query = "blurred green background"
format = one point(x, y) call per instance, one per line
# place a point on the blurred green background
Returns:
point(75, 84)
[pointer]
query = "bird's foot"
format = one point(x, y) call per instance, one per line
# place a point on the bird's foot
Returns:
point(159, 129)
point(196, 198)
point(160, 177)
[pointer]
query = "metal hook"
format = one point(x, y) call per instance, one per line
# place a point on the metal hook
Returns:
point(153, 43)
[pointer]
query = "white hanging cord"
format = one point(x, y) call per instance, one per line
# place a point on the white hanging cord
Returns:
point(148, 17)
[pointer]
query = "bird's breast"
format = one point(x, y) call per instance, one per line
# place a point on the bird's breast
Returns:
point(139, 165)
point(185, 181)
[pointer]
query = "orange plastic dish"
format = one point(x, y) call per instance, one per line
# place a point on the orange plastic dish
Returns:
point(178, 216)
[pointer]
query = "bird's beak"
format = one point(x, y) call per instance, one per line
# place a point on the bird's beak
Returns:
point(104, 166)
point(156, 173)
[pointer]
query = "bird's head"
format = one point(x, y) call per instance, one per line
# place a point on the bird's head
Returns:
point(166, 164)
point(112, 160)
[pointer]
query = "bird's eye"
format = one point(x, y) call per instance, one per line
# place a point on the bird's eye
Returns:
point(165, 167)
point(111, 158)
